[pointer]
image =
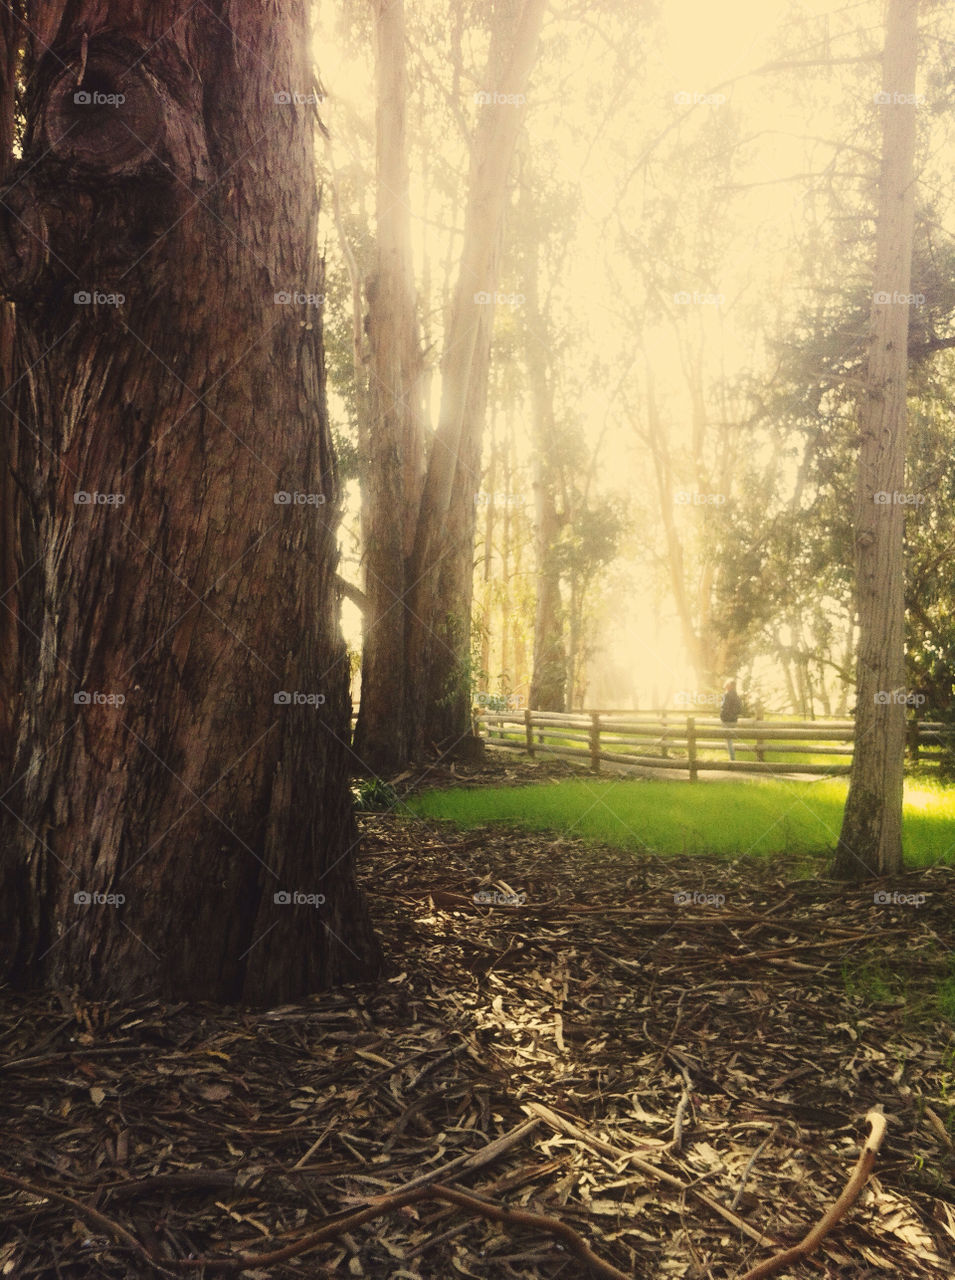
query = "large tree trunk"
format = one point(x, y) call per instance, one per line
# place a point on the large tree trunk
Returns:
point(183, 740)
point(10, 694)
point(392, 437)
point(870, 842)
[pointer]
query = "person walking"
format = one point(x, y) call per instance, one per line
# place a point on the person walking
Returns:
point(731, 709)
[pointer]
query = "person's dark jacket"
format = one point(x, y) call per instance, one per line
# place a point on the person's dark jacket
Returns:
point(731, 708)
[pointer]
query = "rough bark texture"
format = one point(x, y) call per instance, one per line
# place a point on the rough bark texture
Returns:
point(446, 705)
point(168, 609)
point(392, 441)
point(870, 843)
point(9, 594)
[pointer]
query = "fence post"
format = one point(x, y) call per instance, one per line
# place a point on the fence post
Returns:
point(760, 746)
point(529, 731)
point(913, 737)
point(595, 741)
point(663, 740)
point(691, 746)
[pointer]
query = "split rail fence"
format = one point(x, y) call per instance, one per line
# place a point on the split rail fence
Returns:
point(671, 740)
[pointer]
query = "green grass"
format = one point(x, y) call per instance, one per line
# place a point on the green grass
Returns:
point(759, 817)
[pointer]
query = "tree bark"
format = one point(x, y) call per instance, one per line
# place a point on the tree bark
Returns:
point(870, 842)
point(10, 694)
point(183, 740)
point(549, 686)
point(392, 441)
point(451, 472)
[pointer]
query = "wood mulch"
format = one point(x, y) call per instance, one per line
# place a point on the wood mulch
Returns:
point(673, 1058)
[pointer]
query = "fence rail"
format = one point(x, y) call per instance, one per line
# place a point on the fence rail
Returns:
point(693, 744)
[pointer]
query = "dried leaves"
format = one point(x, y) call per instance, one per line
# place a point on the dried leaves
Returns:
point(683, 1085)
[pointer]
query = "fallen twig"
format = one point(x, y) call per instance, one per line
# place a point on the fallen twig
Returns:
point(746, 1172)
point(115, 1229)
point(850, 1194)
point(597, 1144)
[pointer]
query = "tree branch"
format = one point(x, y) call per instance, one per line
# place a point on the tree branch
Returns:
point(850, 1194)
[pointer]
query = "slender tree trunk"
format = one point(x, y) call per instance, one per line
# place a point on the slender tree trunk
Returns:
point(392, 438)
point(549, 678)
point(457, 439)
point(179, 806)
point(675, 560)
point(446, 701)
point(870, 842)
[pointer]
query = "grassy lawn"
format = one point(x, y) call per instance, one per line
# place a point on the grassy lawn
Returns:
point(761, 816)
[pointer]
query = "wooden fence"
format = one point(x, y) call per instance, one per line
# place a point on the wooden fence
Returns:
point(671, 740)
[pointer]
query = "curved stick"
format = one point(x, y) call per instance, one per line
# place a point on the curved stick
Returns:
point(850, 1193)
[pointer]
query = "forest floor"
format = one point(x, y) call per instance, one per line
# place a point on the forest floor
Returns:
point(673, 1057)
